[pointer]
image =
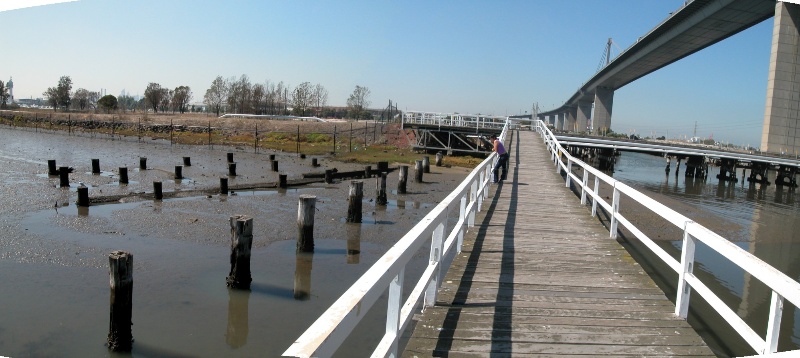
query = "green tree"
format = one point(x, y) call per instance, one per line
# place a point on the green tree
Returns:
point(302, 97)
point(181, 98)
point(4, 95)
point(108, 103)
point(153, 95)
point(64, 91)
point(81, 98)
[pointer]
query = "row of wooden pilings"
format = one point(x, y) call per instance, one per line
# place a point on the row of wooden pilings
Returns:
point(120, 336)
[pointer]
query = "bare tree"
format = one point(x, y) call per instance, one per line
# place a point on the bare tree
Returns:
point(181, 97)
point(258, 98)
point(80, 99)
point(216, 94)
point(166, 99)
point(319, 98)
point(358, 101)
point(52, 97)
point(302, 98)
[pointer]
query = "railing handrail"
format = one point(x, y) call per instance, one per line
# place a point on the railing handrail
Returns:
point(782, 286)
point(328, 332)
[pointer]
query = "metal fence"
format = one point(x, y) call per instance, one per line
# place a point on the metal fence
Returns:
point(783, 287)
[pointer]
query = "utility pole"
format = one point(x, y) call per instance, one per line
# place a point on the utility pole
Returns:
point(695, 129)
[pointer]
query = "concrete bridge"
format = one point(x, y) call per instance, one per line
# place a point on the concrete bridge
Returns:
point(694, 26)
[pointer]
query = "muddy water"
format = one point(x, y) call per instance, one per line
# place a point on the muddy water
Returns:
point(53, 255)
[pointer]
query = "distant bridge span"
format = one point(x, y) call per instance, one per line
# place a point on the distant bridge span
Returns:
point(694, 26)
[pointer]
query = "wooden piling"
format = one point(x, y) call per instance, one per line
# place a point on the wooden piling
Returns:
point(241, 243)
point(230, 157)
point(83, 196)
point(302, 156)
point(305, 223)
point(157, 193)
point(142, 163)
point(223, 186)
point(328, 176)
point(178, 172)
point(282, 182)
point(418, 171)
point(272, 157)
point(368, 171)
point(381, 190)
point(123, 175)
point(63, 176)
point(232, 169)
point(439, 157)
point(314, 162)
point(401, 184)
point(95, 166)
point(187, 161)
point(356, 194)
point(274, 164)
point(383, 167)
point(426, 164)
point(51, 167)
point(120, 338)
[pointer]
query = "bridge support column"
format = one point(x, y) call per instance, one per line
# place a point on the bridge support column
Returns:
point(786, 176)
point(727, 170)
point(782, 115)
point(695, 166)
point(584, 113)
point(758, 173)
point(603, 102)
point(560, 121)
point(571, 124)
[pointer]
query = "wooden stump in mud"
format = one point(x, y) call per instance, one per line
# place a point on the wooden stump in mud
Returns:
point(63, 176)
point(178, 172)
point(305, 223)
point(230, 157)
point(418, 171)
point(439, 157)
point(123, 175)
point(223, 186)
point(95, 166)
point(232, 169)
point(274, 164)
point(120, 338)
point(282, 181)
point(381, 190)
point(157, 194)
point(356, 194)
point(401, 184)
point(51, 167)
point(187, 161)
point(241, 243)
point(142, 163)
point(426, 164)
point(83, 196)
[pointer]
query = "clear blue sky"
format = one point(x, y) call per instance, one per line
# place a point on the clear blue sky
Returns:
point(492, 57)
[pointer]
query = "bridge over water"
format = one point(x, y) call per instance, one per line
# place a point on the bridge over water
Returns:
point(520, 268)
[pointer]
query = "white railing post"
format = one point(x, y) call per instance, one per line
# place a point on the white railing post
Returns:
point(395, 304)
point(687, 267)
point(583, 187)
point(558, 161)
point(614, 212)
point(569, 171)
point(774, 324)
point(473, 193)
point(462, 217)
point(479, 193)
point(435, 259)
point(596, 195)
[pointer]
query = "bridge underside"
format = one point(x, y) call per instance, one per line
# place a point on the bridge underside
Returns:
point(452, 140)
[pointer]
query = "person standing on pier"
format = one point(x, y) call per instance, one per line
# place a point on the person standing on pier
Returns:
point(497, 146)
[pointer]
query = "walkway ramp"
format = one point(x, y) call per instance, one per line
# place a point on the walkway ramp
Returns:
point(541, 277)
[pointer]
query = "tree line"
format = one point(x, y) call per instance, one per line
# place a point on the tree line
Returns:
point(231, 95)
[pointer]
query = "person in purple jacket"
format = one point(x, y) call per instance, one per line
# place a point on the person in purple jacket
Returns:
point(497, 146)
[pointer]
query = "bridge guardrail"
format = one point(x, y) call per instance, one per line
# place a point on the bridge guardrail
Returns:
point(783, 287)
point(454, 120)
point(330, 330)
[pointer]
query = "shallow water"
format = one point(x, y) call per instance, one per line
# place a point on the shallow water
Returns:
point(761, 219)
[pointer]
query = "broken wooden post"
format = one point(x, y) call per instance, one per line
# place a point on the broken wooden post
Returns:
point(241, 243)
point(314, 162)
point(356, 194)
point(123, 175)
point(426, 164)
point(368, 171)
point(178, 172)
point(401, 184)
point(418, 171)
point(63, 176)
point(232, 169)
point(328, 176)
point(381, 190)
point(223, 186)
point(305, 223)
point(383, 167)
point(272, 157)
point(187, 161)
point(282, 182)
point(95, 166)
point(157, 194)
point(274, 164)
point(120, 338)
point(83, 196)
point(230, 157)
point(439, 157)
point(142, 163)
point(302, 156)
point(51, 167)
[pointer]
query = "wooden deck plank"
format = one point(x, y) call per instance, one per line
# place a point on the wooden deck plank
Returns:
point(540, 277)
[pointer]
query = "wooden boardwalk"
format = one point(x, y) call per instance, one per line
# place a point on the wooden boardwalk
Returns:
point(541, 277)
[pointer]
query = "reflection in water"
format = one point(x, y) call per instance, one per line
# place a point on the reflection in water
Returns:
point(401, 204)
point(238, 326)
point(353, 243)
point(83, 210)
point(302, 276)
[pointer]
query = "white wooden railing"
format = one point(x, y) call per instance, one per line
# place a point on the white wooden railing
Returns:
point(477, 121)
point(783, 287)
point(328, 332)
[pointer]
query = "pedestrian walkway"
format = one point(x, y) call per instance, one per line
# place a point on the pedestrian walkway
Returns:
point(538, 276)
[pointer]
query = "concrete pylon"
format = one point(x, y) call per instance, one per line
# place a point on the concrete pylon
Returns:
point(584, 113)
point(782, 115)
point(603, 102)
point(571, 124)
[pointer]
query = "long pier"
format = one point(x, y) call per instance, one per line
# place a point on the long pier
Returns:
point(538, 279)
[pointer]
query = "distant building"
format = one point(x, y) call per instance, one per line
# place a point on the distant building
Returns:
point(10, 86)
